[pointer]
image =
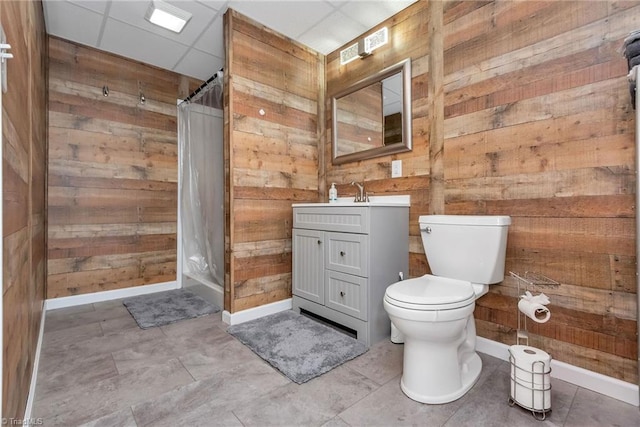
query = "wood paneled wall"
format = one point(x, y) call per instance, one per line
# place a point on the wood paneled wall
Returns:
point(539, 126)
point(272, 158)
point(408, 38)
point(113, 171)
point(23, 198)
point(531, 118)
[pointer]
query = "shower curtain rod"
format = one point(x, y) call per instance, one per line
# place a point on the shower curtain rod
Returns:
point(202, 86)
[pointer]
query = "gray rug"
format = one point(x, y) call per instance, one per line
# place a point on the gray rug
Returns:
point(162, 308)
point(297, 346)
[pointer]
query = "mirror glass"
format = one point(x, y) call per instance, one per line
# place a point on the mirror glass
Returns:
point(372, 118)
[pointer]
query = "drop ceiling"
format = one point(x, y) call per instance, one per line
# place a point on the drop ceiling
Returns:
point(118, 26)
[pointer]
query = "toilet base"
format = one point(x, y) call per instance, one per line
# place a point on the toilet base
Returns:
point(469, 374)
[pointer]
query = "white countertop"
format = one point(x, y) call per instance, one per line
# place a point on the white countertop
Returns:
point(401, 200)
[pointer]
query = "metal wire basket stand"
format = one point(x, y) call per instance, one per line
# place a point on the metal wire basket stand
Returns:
point(520, 375)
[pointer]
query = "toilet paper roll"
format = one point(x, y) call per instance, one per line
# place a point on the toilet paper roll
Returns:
point(530, 377)
point(536, 312)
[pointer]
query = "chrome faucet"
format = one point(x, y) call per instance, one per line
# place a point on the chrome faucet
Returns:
point(360, 195)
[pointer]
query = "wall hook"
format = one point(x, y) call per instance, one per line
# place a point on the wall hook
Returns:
point(105, 90)
point(143, 100)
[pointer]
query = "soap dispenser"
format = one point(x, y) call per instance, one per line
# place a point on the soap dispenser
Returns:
point(333, 193)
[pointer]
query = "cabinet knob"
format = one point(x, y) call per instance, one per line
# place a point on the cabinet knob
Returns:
point(341, 253)
point(342, 293)
point(319, 242)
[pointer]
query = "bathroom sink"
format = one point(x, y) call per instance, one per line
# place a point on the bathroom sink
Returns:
point(402, 200)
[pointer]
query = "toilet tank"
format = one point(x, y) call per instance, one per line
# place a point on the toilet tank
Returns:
point(466, 247)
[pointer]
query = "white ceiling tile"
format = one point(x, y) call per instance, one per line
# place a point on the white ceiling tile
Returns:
point(323, 25)
point(72, 22)
point(96, 5)
point(212, 40)
point(141, 45)
point(332, 32)
point(214, 4)
point(287, 17)
point(132, 13)
point(371, 12)
point(199, 65)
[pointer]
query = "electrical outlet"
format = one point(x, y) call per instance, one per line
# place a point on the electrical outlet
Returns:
point(396, 168)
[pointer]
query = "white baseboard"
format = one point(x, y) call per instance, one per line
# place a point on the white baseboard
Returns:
point(256, 312)
point(36, 362)
point(609, 386)
point(55, 303)
point(211, 292)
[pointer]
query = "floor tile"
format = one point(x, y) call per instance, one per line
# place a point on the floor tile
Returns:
point(58, 373)
point(89, 402)
point(99, 368)
point(312, 403)
point(335, 422)
point(190, 326)
point(62, 318)
point(225, 354)
point(160, 350)
point(488, 404)
point(54, 340)
point(389, 406)
point(381, 363)
point(593, 409)
point(123, 418)
point(109, 343)
point(56, 320)
point(206, 398)
point(118, 324)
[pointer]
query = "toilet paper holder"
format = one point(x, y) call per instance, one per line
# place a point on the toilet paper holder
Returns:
point(530, 388)
point(528, 281)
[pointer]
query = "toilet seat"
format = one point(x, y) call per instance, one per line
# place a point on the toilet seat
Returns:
point(429, 293)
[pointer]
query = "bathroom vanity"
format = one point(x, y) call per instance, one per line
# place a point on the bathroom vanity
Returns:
point(345, 255)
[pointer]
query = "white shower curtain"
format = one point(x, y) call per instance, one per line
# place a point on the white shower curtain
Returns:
point(200, 134)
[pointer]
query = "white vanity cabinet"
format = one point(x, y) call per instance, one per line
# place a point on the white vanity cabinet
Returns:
point(344, 257)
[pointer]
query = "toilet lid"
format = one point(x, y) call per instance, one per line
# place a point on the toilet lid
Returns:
point(431, 293)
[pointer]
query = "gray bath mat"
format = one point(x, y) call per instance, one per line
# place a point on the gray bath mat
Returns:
point(162, 308)
point(297, 346)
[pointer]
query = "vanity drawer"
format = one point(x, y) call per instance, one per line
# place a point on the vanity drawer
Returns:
point(346, 293)
point(347, 253)
point(332, 218)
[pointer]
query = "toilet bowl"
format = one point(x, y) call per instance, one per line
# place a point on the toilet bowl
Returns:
point(434, 313)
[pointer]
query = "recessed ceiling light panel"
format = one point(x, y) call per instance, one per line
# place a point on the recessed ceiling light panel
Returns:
point(167, 16)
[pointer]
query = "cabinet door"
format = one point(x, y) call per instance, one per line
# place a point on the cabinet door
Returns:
point(308, 264)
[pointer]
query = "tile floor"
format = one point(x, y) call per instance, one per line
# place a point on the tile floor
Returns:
point(97, 368)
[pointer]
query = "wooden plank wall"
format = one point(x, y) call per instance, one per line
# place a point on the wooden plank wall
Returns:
point(408, 37)
point(272, 159)
point(23, 198)
point(539, 126)
point(112, 171)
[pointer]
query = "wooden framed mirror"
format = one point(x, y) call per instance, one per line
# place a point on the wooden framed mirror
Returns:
point(372, 118)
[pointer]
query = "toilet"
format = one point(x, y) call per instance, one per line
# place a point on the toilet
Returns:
point(433, 314)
